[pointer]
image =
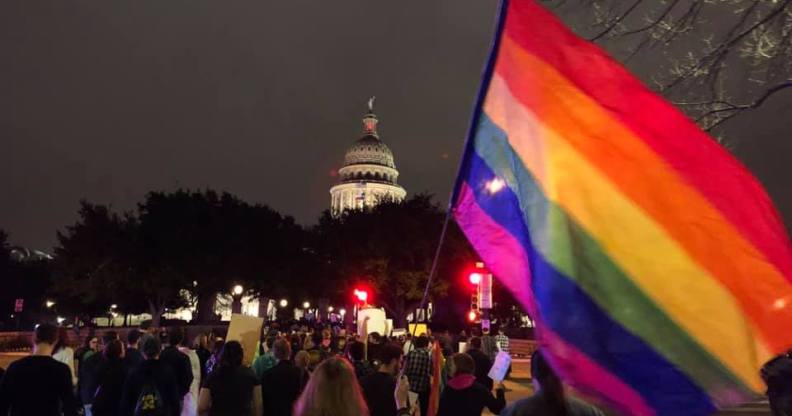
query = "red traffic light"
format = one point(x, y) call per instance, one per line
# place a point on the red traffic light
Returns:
point(472, 315)
point(361, 295)
point(475, 278)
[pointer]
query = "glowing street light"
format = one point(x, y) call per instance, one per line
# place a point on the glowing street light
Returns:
point(114, 306)
point(50, 304)
point(284, 303)
point(60, 319)
point(306, 305)
point(329, 309)
point(342, 311)
point(238, 289)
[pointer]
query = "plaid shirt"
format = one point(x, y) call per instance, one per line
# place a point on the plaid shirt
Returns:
point(503, 342)
point(418, 368)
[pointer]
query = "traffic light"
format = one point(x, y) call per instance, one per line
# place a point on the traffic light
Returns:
point(472, 315)
point(475, 278)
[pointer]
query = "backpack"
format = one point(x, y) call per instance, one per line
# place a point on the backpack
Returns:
point(149, 402)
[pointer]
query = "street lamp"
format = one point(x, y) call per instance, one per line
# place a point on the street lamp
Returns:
point(60, 320)
point(236, 301)
point(284, 303)
point(238, 289)
point(329, 309)
point(342, 312)
point(306, 305)
point(50, 304)
point(113, 306)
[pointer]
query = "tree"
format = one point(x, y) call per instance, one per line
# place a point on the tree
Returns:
point(713, 59)
point(390, 248)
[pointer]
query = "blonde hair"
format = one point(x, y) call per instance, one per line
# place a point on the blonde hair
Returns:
point(333, 390)
point(302, 359)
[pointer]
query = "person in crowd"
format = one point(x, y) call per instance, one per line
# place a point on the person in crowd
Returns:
point(332, 390)
point(38, 384)
point(190, 405)
point(378, 388)
point(110, 380)
point(88, 378)
point(231, 389)
point(62, 352)
point(502, 340)
point(214, 359)
point(418, 369)
point(303, 360)
point(296, 344)
point(283, 383)
point(132, 356)
point(357, 356)
point(464, 396)
point(178, 361)
point(90, 345)
point(266, 360)
point(550, 398)
point(317, 353)
point(462, 337)
point(407, 346)
point(483, 362)
point(375, 341)
point(326, 345)
point(200, 345)
point(777, 375)
point(152, 385)
point(488, 345)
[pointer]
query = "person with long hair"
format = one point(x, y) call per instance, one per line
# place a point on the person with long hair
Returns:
point(464, 395)
point(550, 398)
point(231, 389)
point(333, 390)
point(110, 380)
point(62, 352)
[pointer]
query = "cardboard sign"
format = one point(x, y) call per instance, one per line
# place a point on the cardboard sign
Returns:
point(417, 329)
point(247, 330)
point(500, 367)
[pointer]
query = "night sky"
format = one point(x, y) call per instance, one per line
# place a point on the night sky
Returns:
point(109, 100)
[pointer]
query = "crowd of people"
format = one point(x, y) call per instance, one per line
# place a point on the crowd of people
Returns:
point(298, 370)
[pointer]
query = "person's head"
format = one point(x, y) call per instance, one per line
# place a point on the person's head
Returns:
point(391, 356)
point(546, 380)
point(475, 343)
point(316, 338)
point(176, 336)
point(357, 351)
point(114, 350)
point(46, 334)
point(281, 350)
point(332, 390)
point(375, 337)
point(232, 354)
point(133, 338)
point(200, 341)
point(485, 331)
point(270, 341)
point(62, 340)
point(92, 343)
point(151, 346)
point(422, 341)
point(500, 331)
point(462, 363)
point(108, 337)
point(302, 359)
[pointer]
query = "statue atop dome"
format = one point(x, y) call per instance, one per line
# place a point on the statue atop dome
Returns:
point(369, 174)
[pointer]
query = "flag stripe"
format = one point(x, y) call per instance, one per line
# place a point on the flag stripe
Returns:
point(630, 164)
point(579, 320)
point(505, 256)
point(574, 253)
point(628, 236)
point(702, 162)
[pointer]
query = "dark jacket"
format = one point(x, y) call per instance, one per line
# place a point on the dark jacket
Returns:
point(280, 387)
point(465, 397)
point(110, 377)
point(89, 376)
point(483, 365)
point(161, 376)
point(378, 389)
point(179, 362)
point(37, 385)
point(133, 358)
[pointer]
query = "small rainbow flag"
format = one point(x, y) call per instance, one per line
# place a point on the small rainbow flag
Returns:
point(654, 264)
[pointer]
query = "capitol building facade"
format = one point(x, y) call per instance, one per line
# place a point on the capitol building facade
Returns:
point(369, 174)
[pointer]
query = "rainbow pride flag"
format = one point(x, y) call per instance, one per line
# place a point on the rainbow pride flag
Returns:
point(654, 264)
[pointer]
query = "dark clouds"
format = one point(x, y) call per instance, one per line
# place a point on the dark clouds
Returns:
point(107, 100)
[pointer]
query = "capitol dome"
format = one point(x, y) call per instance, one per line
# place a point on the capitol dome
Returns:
point(369, 174)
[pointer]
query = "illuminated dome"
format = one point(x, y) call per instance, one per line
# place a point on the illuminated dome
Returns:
point(369, 173)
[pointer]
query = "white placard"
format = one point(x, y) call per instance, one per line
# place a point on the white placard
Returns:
point(500, 367)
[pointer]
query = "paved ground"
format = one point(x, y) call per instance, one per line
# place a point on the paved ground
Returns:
point(519, 385)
